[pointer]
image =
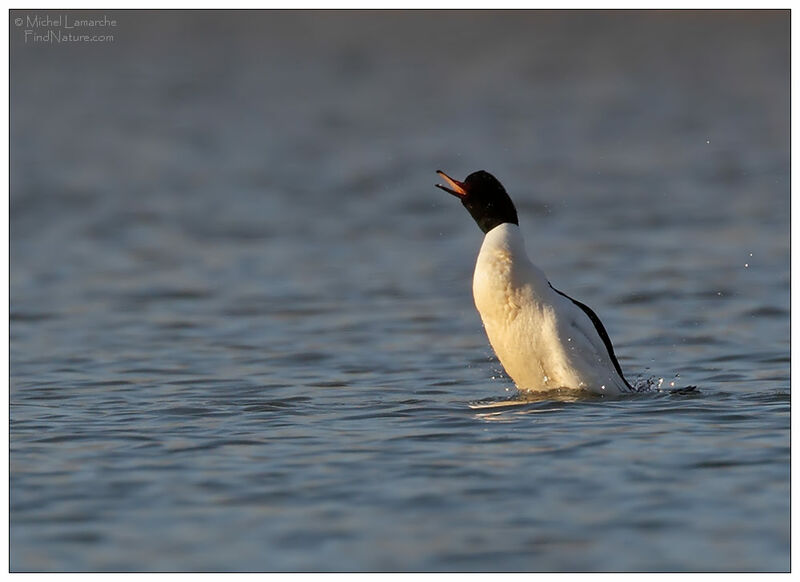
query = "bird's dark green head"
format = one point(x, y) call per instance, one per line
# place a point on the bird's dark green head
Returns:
point(484, 197)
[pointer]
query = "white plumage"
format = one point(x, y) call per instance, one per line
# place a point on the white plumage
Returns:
point(543, 339)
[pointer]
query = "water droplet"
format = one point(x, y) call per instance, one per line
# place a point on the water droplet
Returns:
point(746, 265)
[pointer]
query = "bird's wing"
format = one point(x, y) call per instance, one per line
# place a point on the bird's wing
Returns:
point(600, 329)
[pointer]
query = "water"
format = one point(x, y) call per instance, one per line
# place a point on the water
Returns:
point(242, 331)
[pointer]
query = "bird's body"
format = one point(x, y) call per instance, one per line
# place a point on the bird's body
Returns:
point(544, 339)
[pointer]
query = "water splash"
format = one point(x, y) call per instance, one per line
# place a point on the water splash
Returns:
point(656, 384)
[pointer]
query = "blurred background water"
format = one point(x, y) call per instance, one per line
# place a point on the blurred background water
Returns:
point(242, 330)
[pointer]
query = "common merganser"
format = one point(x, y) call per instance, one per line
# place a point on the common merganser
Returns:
point(543, 338)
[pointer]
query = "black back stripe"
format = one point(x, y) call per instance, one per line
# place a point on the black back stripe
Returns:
point(598, 325)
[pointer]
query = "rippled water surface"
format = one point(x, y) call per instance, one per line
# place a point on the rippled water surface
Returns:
point(242, 331)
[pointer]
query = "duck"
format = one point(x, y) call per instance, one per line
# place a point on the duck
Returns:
point(544, 339)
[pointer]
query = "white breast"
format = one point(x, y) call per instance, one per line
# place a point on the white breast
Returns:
point(543, 339)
